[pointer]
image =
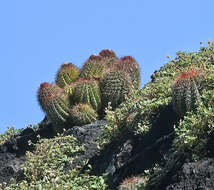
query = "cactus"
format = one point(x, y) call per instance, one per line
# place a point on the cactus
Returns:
point(129, 65)
point(67, 74)
point(82, 114)
point(87, 91)
point(97, 65)
point(54, 103)
point(186, 91)
point(109, 57)
point(115, 86)
point(132, 183)
point(94, 67)
point(103, 79)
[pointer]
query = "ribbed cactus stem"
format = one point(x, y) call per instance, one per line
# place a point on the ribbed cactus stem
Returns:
point(109, 57)
point(115, 86)
point(107, 53)
point(54, 103)
point(87, 91)
point(82, 114)
point(67, 74)
point(129, 65)
point(186, 91)
point(93, 68)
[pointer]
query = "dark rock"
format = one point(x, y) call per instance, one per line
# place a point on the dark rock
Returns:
point(195, 176)
point(20, 143)
point(12, 152)
point(130, 154)
point(10, 166)
point(153, 76)
point(87, 135)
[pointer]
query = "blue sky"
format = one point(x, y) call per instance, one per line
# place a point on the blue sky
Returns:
point(37, 36)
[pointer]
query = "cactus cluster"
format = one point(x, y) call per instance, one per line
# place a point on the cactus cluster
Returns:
point(79, 96)
point(186, 91)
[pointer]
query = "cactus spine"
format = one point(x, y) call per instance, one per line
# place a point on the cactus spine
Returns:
point(54, 103)
point(82, 114)
point(115, 86)
point(79, 95)
point(87, 91)
point(109, 57)
point(129, 65)
point(67, 74)
point(186, 91)
point(93, 68)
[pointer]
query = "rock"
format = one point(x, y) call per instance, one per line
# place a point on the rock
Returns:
point(87, 136)
point(130, 154)
point(19, 144)
point(10, 166)
point(196, 175)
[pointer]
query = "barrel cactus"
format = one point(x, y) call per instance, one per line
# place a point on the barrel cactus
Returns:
point(82, 114)
point(54, 102)
point(186, 91)
point(109, 57)
point(115, 86)
point(80, 95)
point(129, 65)
point(87, 91)
point(94, 67)
point(67, 74)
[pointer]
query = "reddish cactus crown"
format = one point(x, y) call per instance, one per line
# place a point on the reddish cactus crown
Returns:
point(95, 57)
point(67, 65)
point(45, 85)
point(107, 53)
point(126, 62)
point(187, 74)
point(48, 90)
point(128, 59)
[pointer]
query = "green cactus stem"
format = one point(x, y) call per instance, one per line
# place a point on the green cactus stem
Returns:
point(82, 114)
point(87, 91)
point(109, 57)
point(115, 86)
point(93, 68)
point(54, 102)
point(67, 74)
point(129, 65)
point(186, 91)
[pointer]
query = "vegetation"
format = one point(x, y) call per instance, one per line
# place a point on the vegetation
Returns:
point(94, 84)
point(185, 83)
point(195, 125)
point(49, 167)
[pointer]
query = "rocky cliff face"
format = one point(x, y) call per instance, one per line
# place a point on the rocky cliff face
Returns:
point(130, 155)
point(160, 138)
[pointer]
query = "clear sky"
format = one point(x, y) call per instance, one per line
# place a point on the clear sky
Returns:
point(37, 36)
